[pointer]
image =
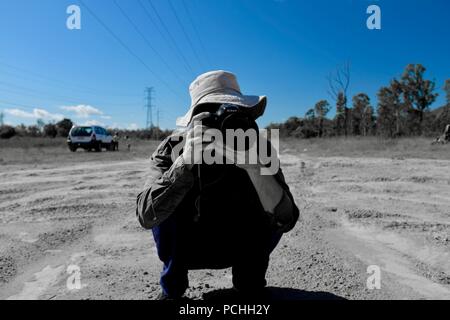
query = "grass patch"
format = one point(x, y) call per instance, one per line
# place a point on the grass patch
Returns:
point(402, 148)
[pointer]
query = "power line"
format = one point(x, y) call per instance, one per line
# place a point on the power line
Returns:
point(23, 106)
point(53, 97)
point(186, 8)
point(149, 106)
point(170, 35)
point(131, 52)
point(148, 42)
point(177, 17)
point(66, 103)
point(174, 46)
point(26, 91)
point(55, 81)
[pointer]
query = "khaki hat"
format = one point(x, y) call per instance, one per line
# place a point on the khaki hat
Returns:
point(220, 87)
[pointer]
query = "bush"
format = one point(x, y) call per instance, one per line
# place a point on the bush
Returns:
point(7, 132)
point(63, 127)
point(33, 131)
point(50, 130)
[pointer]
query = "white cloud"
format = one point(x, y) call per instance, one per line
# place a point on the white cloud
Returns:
point(19, 113)
point(36, 114)
point(133, 126)
point(94, 123)
point(83, 111)
point(106, 117)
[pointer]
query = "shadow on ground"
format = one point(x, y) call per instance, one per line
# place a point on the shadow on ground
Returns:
point(271, 294)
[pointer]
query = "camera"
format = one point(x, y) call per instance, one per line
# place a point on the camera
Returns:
point(233, 117)
point(230, 116)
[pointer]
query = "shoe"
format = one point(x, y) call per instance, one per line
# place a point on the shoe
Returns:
point(165, 297)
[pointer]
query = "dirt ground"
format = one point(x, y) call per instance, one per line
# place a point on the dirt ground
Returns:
point(60, 211)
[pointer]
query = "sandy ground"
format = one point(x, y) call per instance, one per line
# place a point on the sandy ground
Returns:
point(77, 211)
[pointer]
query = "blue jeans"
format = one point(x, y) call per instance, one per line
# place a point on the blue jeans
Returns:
point(183, 245)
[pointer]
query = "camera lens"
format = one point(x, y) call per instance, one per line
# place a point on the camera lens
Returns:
point(248, 126)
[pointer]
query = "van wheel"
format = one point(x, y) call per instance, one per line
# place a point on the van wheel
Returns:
point(98, 147)
point(73, 149)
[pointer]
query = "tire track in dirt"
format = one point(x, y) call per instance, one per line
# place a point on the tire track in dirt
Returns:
point(84, 215)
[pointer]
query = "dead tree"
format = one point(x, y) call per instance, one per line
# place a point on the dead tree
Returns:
point(338, 85)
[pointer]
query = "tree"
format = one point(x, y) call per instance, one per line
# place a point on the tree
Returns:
point(341, 114)
point(287, 128)
point(321, 109)
point(447, 91)
point(310, 115)
point(63, 127)
point(33, 131)
point(339, 83)
point(293, 123)
point(368, 122)
point(360, 103)
point(50, 130)
point(401, 108)
point(309, 128)
point(418, 92)
point(40, 124)
point(386, 120)
point(443, 118)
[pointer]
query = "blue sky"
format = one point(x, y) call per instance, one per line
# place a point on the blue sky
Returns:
point(280, 48)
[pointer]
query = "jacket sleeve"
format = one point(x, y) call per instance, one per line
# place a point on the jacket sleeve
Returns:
point(286, 213)
point(162, 195)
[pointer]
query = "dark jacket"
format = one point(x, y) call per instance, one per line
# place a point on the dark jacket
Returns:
point(164, 194)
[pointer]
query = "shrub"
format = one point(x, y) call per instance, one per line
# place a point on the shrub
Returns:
point(63, 127)
point(50, 130)
point(7, 132)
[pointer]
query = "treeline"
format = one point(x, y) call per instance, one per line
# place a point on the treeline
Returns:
point(62, 129)
point(402, 109)
point(40, 129)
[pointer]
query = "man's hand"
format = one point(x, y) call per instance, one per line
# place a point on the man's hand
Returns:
point(195, 141)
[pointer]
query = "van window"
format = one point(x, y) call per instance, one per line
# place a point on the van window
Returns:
point(82, 132)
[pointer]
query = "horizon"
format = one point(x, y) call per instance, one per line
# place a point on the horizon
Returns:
point(97, 75)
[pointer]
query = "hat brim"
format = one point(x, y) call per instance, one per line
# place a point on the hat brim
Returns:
point(256, 104)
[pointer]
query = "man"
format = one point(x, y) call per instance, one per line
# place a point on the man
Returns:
point(214, 216)
point(115, 142)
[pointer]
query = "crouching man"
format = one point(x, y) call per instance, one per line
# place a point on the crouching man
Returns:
point(220, 215)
